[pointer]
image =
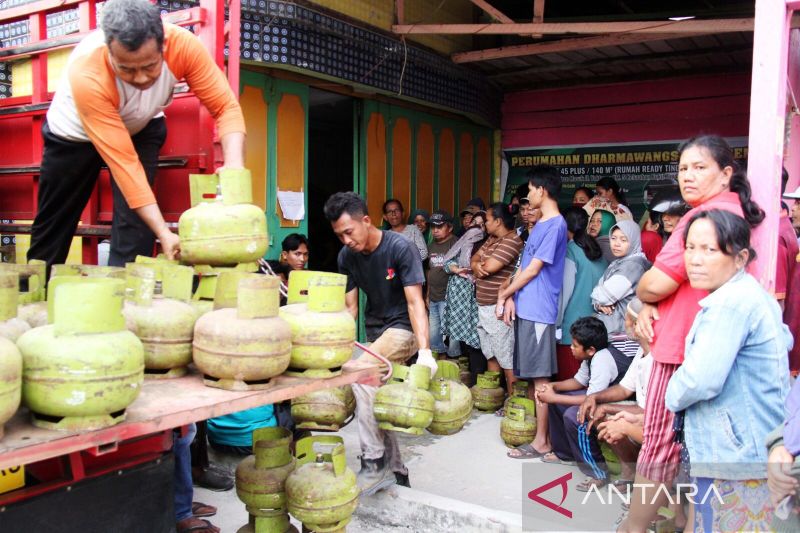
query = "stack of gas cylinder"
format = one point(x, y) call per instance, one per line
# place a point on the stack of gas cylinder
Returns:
point(82, 368)
point(78, 358)
point(315, 486)
point(223, 231)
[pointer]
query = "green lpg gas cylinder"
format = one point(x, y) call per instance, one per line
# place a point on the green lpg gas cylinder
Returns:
point(404, 404)
point(11, 327)
point(487, 394)
point(324, 410)
point(518, 427)
point(165, 325)
point(241, 348)
point(322, 492)
point(261, 479)
point(32, 306)
point(85, 369)
point(223, 227)
point(88, 271)
point(299, 281)
point(518, 390)
point(323, 331)
point(210, 291)
point(37, 312)
point(10, 381)
point(453, 405)
point(32, 280)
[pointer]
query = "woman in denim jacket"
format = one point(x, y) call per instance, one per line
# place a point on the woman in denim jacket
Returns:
point(734, 379)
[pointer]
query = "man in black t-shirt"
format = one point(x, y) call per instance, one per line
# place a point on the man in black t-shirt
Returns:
point(388, 269)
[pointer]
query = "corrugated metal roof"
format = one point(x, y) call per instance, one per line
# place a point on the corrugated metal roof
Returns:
point(681, 56)
point(686, 55)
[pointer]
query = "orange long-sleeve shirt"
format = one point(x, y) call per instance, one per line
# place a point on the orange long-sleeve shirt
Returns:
point(92, 105)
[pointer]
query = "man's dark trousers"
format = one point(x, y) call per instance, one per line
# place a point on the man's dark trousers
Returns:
point(68, 175)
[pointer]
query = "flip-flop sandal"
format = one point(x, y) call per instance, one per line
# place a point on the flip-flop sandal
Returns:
point(587, 484)
point(524, 451)
point(204, 526)
point(552, 459)
point(201, 510)
point(622, 483)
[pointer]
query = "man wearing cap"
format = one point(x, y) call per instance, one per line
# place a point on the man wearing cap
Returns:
point(443, 239)
point(473, 206)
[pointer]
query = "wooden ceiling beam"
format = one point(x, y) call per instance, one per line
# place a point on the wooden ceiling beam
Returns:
point(529, 28)
point(622, 61)
point(624, 78)
point(400, 11)
point(563, 45)
point(493, 12)
point(538, 15)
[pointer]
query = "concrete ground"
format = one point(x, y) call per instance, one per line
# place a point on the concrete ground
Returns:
point(462, 482)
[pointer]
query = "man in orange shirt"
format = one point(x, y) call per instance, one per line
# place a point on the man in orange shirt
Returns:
point(108, 108)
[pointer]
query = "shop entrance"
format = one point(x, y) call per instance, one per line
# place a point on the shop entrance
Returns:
point(330, 169)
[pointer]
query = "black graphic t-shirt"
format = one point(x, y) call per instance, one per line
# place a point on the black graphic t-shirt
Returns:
point(437, 277)
point(382, 275)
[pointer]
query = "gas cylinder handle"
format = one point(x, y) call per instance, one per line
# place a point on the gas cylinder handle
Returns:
point(338, 459)
point(526, 404)
point(515, 413)
point(304, 448)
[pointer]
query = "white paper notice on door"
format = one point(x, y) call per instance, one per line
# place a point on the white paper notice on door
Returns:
point(292, 204)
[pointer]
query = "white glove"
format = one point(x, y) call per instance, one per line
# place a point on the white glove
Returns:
point(425, 357)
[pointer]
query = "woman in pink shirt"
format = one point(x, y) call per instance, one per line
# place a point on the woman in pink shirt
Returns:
point(709, 178)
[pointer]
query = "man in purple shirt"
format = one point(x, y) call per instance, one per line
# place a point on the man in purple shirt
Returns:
point(531, 298)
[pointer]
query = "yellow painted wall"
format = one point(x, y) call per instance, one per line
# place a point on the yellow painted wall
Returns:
point(21, 71)
point(465, 161)
point(447, 157)
point(255, 118)
point(291, 149)
point(381, 14)
point(401, 162)
point(23, 243)
point(425, 170)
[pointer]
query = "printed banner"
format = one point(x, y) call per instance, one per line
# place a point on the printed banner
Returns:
point(640, 169)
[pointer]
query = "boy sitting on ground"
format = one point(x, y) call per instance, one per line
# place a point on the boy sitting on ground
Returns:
point(602, 366)
point(613, 416)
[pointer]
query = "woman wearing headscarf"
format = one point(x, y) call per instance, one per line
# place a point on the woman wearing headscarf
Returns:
point(617, 287)
point(421, 219)
point(599, 227)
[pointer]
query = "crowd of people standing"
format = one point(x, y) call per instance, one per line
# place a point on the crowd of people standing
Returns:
point(651, 337)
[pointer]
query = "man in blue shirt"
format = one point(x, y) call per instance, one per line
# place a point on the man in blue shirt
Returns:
point(531, 298)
